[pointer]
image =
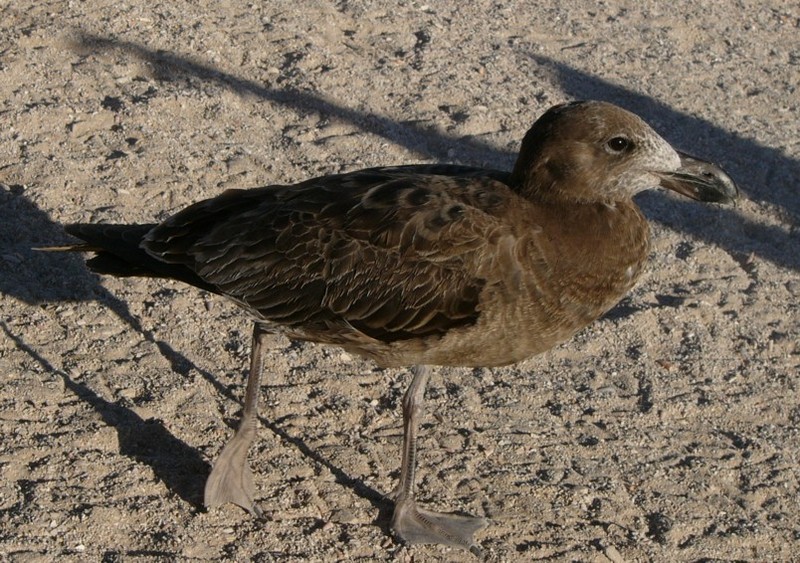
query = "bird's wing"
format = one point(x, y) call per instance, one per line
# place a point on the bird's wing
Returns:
point(391, 252)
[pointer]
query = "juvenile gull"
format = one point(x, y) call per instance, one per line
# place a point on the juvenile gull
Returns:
point(425, 265)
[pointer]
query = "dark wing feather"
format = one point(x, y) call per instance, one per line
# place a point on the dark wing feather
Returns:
point(393, 253)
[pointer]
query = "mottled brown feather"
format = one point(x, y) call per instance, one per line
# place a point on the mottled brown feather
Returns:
point(388, 253)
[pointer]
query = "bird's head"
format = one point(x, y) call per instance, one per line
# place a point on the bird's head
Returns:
point(597, 152)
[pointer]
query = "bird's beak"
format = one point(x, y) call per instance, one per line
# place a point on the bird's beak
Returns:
point(700, 180)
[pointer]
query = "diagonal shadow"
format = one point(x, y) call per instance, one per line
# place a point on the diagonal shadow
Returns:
point(179, 466)
point(764, 172)
point(168, 67)
point(49, 277)
point(38, 277)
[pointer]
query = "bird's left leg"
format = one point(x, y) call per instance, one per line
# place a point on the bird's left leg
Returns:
point(231, 479)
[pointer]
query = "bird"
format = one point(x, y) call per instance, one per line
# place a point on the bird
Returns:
point(423, 265)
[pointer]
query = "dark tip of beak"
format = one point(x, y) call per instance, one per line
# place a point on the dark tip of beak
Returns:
point(701, 180)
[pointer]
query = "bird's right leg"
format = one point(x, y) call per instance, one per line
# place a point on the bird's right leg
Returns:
point(409, 521)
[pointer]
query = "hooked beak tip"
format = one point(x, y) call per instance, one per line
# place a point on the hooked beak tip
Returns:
point(701, 180)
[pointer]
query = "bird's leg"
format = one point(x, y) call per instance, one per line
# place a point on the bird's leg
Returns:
point(411, 523)
point(231, 479)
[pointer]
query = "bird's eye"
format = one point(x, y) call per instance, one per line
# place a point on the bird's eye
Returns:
point(617, 145)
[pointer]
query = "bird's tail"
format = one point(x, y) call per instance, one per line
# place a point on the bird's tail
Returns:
point(118, 252)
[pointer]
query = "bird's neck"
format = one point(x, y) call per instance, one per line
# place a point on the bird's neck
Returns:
point(597, 251)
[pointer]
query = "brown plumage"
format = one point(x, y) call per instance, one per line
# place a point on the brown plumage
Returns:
point(425, 265)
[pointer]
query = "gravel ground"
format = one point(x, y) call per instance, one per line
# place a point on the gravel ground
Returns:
point(668, 431)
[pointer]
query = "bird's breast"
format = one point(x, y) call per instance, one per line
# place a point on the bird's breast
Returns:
point(577, 267)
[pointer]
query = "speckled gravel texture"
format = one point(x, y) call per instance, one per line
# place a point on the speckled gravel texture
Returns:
point(668, 431)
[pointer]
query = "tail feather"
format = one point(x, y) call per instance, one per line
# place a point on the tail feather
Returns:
point(120, 241)
point(118, 253)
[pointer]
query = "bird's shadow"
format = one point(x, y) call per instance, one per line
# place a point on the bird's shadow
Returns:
point(148, 441)
point(764, 172)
